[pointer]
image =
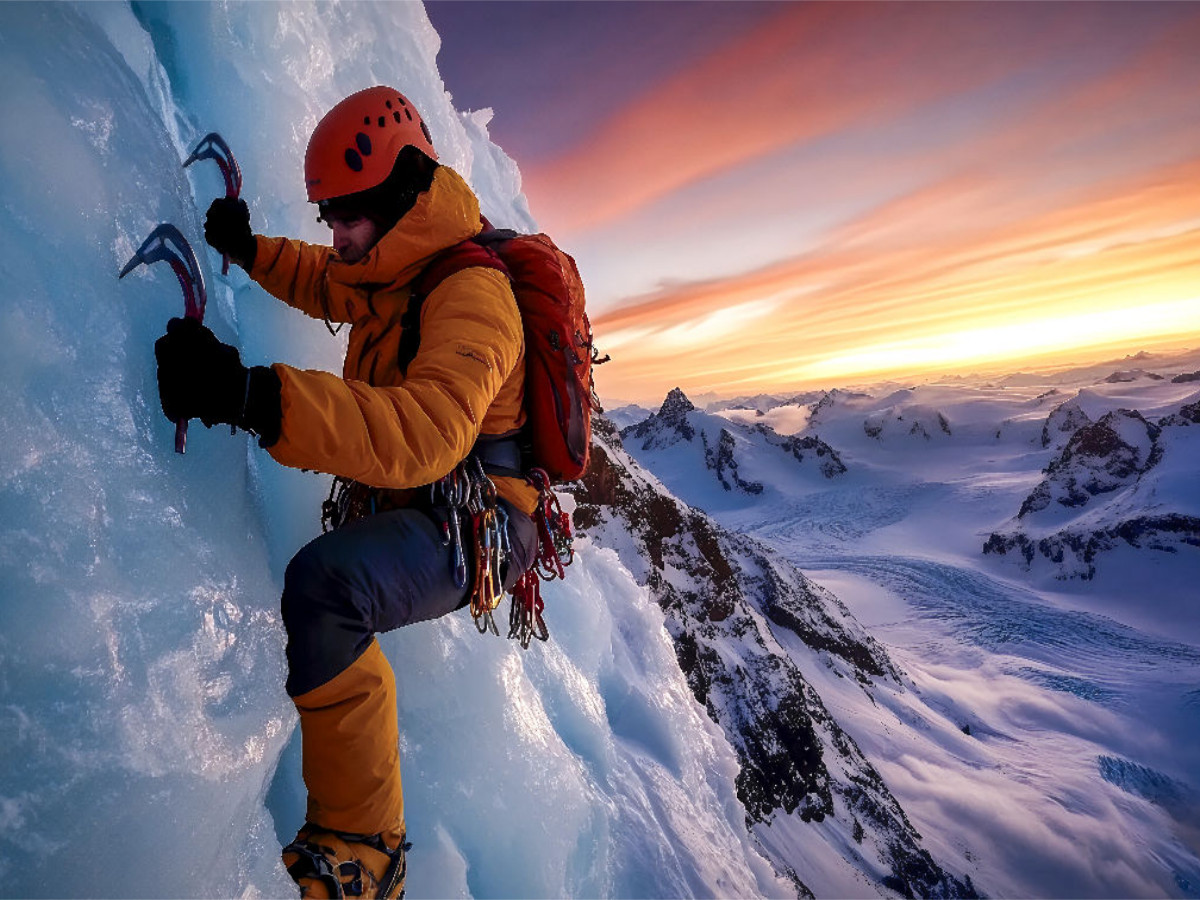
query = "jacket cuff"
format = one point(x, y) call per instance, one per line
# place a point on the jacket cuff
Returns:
point(249, 252)
point(263, 414)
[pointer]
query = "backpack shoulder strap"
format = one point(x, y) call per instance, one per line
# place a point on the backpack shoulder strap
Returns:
point(469, 254)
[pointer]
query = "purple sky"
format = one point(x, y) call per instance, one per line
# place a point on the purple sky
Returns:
point(551, 69)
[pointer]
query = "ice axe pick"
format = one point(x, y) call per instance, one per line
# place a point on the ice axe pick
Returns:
point(166, 244)
point(212, 146)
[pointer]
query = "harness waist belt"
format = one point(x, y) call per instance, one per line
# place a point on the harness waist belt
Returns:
point(500, 456)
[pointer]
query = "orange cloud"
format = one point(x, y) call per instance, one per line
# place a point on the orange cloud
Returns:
point(1128, 245)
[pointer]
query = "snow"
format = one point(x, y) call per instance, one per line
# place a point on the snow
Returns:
point(141, 653)
point(1079, 775)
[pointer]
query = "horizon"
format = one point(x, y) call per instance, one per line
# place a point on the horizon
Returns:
point(1184, 358)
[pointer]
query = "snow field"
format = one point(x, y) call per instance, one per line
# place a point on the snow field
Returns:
point(1055, 679)
point(1021, 800)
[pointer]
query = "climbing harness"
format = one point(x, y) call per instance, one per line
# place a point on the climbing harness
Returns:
point(475, 526)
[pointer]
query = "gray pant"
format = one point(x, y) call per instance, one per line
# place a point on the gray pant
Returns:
point(373, 575)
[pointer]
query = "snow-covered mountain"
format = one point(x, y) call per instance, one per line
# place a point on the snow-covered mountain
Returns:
point(628, 414)
point(1121, 481)
point(746, 625)
point(763, 403)
point(743, 458)
point(1043, 731)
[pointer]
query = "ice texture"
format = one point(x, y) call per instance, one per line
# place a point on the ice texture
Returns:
point(148, 746)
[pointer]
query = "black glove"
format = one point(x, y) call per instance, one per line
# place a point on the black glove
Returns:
point(201, 378)
point(227, 230)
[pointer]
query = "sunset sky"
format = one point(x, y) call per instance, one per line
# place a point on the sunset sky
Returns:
point(777, 196)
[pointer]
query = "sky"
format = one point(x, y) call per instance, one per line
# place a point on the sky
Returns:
point(785, 196)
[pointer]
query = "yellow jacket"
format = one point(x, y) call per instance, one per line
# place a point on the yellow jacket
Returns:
point(376, 425)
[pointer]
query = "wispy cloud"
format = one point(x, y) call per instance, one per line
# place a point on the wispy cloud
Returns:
point(1072, 277)
point(1073, 188)
point(814, 71)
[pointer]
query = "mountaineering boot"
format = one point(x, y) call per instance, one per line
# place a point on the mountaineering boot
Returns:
point(328, 863)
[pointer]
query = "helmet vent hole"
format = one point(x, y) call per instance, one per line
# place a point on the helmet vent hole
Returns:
point(400, 100)
point(389, 103)
point(407, 113)
point(354, 161)
point(425, 131)
point(382, 121)
point(366, 120)
point(364, 144)
point(396, 116)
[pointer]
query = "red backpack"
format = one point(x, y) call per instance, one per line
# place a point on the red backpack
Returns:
point(559, 355)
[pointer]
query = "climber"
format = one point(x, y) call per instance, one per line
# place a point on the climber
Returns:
point(387, 432)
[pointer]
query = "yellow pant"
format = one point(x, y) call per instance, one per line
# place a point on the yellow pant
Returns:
point(351, 748)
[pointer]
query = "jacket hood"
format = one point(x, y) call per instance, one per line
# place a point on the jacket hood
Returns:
point(444, 215)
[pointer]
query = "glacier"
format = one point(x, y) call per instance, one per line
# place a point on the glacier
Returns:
point(149, 748)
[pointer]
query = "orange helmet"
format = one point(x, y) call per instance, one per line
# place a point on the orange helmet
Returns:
point(355, 146)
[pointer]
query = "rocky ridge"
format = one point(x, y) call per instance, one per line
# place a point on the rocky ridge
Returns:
point(1064, 420)
point(726, 446)
point(802, 447)
point(720, 459)
point(1105, 490)
point(728, 600)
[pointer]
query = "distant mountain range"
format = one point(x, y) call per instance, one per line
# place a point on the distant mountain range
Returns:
point(944, 511)
point(1108, 471)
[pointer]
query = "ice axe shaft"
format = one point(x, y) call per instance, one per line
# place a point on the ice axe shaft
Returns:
point(212, 146)
point(167, 244)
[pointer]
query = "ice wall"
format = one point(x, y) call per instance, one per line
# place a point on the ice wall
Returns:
point(148, 746)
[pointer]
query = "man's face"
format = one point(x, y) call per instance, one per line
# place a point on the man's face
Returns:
point(353, 235)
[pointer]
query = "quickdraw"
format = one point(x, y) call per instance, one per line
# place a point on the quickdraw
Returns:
point(555, 553)
point(467, 494)
point(348, 501)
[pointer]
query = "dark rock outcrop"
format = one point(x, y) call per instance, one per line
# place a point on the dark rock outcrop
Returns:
point(1063, 421)
point(794, 757)
point(805, 447)
point(666, 427)
point(721, 460)
point(1075, 552)
point(1098, 459)
point(1126, 376)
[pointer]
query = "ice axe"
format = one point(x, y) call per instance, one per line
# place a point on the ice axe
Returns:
point(213, 146)
point(166, 244)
